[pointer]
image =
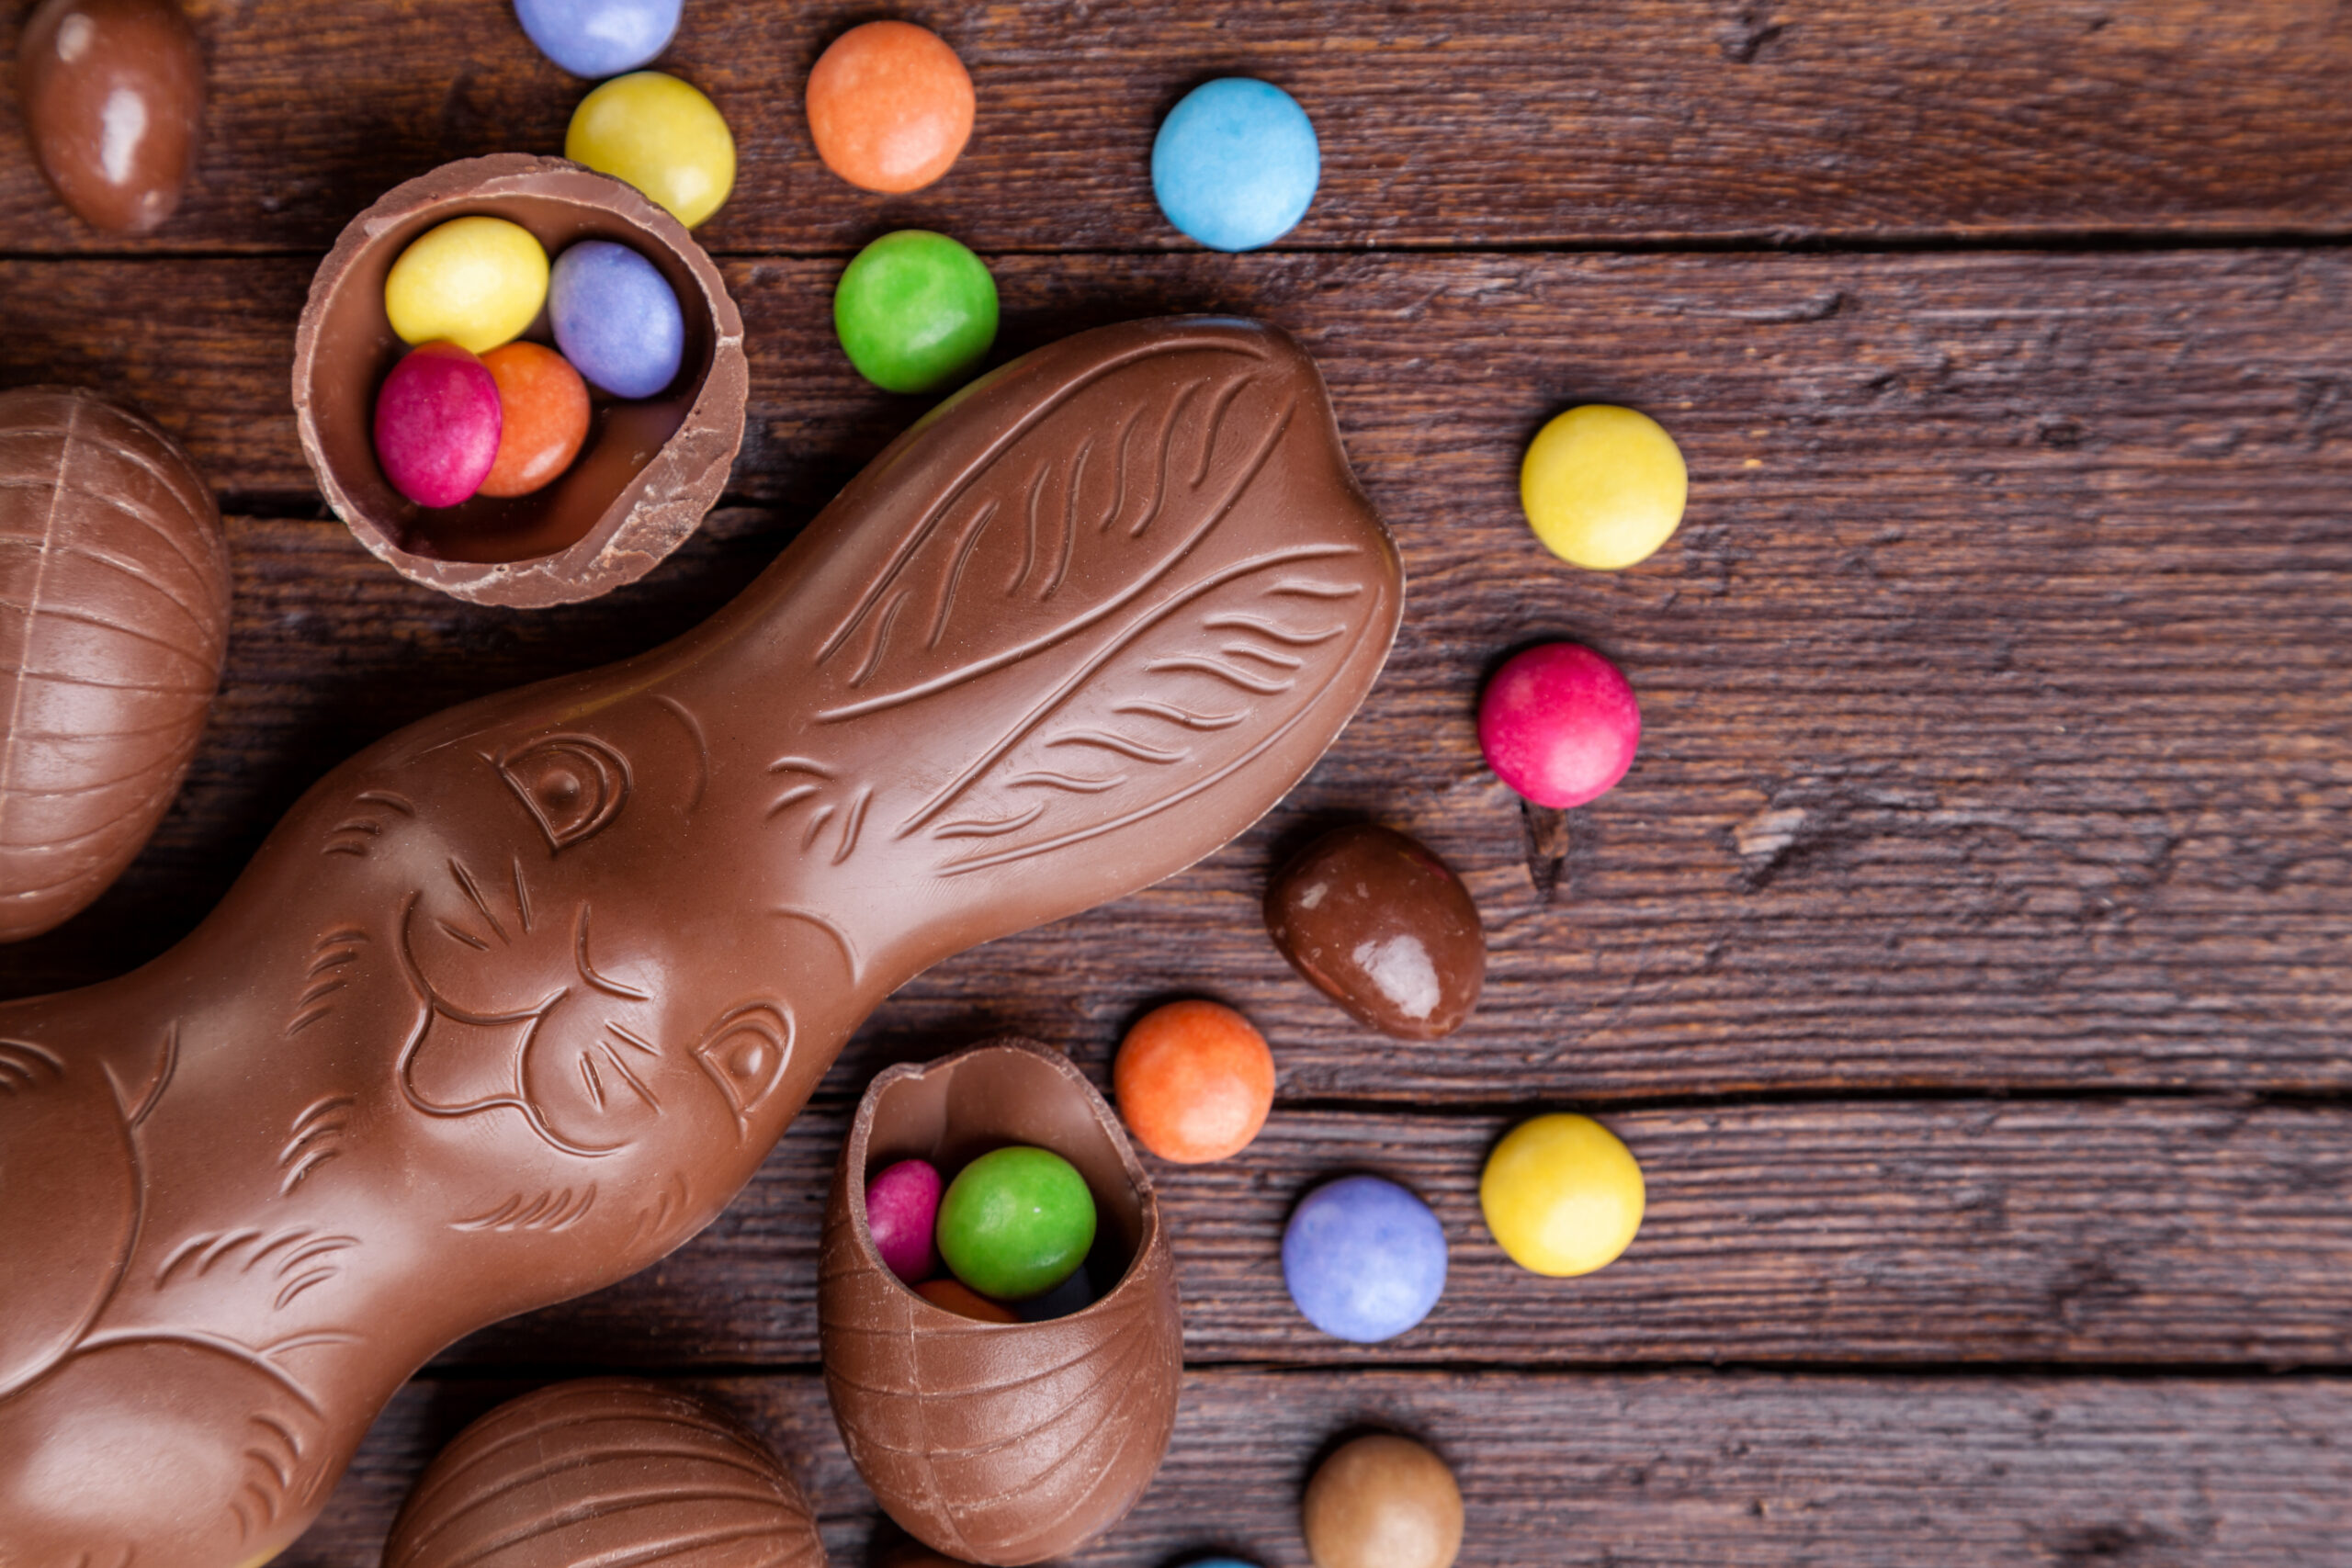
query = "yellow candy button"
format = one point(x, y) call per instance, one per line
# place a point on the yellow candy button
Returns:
point(660, 135)
point(1603, 487)
point(475, 281)
point(1562, 1195)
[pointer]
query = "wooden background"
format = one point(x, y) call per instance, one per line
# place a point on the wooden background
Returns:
point(1968, 957)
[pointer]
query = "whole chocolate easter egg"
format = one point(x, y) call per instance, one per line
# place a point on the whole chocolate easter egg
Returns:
point(605, 1471)
point(113, 93)
point(1382, 927)
point(114, 613)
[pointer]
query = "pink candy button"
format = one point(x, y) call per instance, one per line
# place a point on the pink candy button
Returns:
point(438, 424)
point(901, 1208)
point(1559, 724)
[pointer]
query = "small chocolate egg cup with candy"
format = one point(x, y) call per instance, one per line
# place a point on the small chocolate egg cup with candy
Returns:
point(648, 469)
point(1001, 1443)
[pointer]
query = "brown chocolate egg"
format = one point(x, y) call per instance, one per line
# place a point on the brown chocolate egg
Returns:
point(1001, 1443)
point(114, 611)
point(1382, 927)
point(605, 1471)
point(1383, 1502)
point(649, 468)
point(113, 94)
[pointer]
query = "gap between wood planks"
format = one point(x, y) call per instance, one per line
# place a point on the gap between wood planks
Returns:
point(463, 1374)
point(1999, 673)
point(1739, 1469)
point(1793, 242)
point(1454, 1109)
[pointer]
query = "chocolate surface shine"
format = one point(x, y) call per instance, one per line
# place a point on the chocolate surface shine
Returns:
point(513, 1002)
point(113, 97)
point(1382, 927)
point(114, 613)
point(605, 1471)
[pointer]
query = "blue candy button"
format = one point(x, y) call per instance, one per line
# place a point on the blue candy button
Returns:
point(1235, 164)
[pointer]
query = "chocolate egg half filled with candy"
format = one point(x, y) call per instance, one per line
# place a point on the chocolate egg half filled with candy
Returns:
point(115, 602)
point(605, 1471)
point(997, 1443)
point(113, 97)
point(649, 468)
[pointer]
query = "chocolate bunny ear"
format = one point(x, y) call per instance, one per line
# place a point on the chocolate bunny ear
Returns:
point(1126, 590)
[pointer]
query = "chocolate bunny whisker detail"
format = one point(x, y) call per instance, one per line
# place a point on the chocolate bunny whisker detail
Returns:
point(512, 1003)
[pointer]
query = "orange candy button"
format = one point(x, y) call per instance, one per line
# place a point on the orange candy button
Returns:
point(954, 1295)
point(1194, 1082)
point(545, 406)
point(889, 106)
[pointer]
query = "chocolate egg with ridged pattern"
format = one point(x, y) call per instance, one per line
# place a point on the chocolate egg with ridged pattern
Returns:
point(114, 622)
point(1000, 1444)
point(606, 1470)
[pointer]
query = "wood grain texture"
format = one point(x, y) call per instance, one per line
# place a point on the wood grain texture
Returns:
point(1639, 1471)
point(1998, 690)
point(2140, 1231)
point(1998, 701)
point(1440, 123)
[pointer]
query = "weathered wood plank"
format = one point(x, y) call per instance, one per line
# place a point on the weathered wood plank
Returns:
point(1742, 1471)
point(1998, 689)
point(2151, 1232)
point(1442, 123)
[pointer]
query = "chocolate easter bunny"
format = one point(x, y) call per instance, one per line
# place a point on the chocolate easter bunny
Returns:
point(513, 1002)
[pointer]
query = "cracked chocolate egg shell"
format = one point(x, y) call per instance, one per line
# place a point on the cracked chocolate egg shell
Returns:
point(1001, 1443)
point(649, 468)
point(114, 608)
point(605, 1471)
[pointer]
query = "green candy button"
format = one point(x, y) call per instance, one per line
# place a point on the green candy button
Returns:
point(916, 311)
point(1016, 1223)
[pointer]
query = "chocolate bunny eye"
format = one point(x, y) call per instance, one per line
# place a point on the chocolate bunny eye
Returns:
point(745, 1054)
point(573, 786)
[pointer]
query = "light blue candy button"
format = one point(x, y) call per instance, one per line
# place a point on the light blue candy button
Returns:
point(1235, 164)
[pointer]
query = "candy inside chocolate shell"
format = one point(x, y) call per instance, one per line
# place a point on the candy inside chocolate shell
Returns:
point(605, 1471)
point(114, 610)
point(649, 468)
point(1000, 1444)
